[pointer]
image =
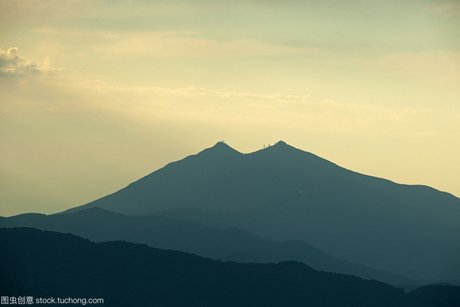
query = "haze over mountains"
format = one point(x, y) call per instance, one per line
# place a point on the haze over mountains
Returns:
point(225, 244)
point(275, 205)
point(50, 264)
point(282, 193)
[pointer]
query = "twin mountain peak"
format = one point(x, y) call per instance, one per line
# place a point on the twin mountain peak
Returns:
point(279, 153)
point(222, 147)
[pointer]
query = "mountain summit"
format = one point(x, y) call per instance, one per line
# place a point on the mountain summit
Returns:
point(221, 148)
point(284, 193)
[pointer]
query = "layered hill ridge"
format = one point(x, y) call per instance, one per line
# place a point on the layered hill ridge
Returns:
point(127, 274)
point(225, 244)
point(284, 193)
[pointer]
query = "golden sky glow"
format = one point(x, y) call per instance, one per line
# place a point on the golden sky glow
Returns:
point(95, 94)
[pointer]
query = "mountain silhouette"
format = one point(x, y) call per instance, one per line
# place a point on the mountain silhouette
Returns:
point(225, 244)
point(438, 295)
point(50, 264)
point(284, 193)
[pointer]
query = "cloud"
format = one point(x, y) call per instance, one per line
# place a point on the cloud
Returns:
point(67, 92)
point(11, 64)
point(14, 65)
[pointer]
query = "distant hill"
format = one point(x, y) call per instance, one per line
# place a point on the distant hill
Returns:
point(438, 295)
point(284, 193)
point(49, 264)
point(225, 244)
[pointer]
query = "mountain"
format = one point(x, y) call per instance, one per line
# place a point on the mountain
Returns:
point(49, 264)
point(439, 295)
point(225, 244)
point(283, 193)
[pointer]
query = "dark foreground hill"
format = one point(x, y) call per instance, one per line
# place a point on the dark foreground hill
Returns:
point(283, 193)
point(46, 264)
point(439, 295)
point(225, 244)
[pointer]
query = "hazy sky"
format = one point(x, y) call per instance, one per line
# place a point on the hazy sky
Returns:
point(95, 94)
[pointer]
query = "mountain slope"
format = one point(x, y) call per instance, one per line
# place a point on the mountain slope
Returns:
point(52, 264)
point(162, 232)
point(287, 194)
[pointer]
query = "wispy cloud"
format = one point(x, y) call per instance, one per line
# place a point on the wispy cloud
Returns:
point(68, 91)
point(193, 105)
point(168, 44)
